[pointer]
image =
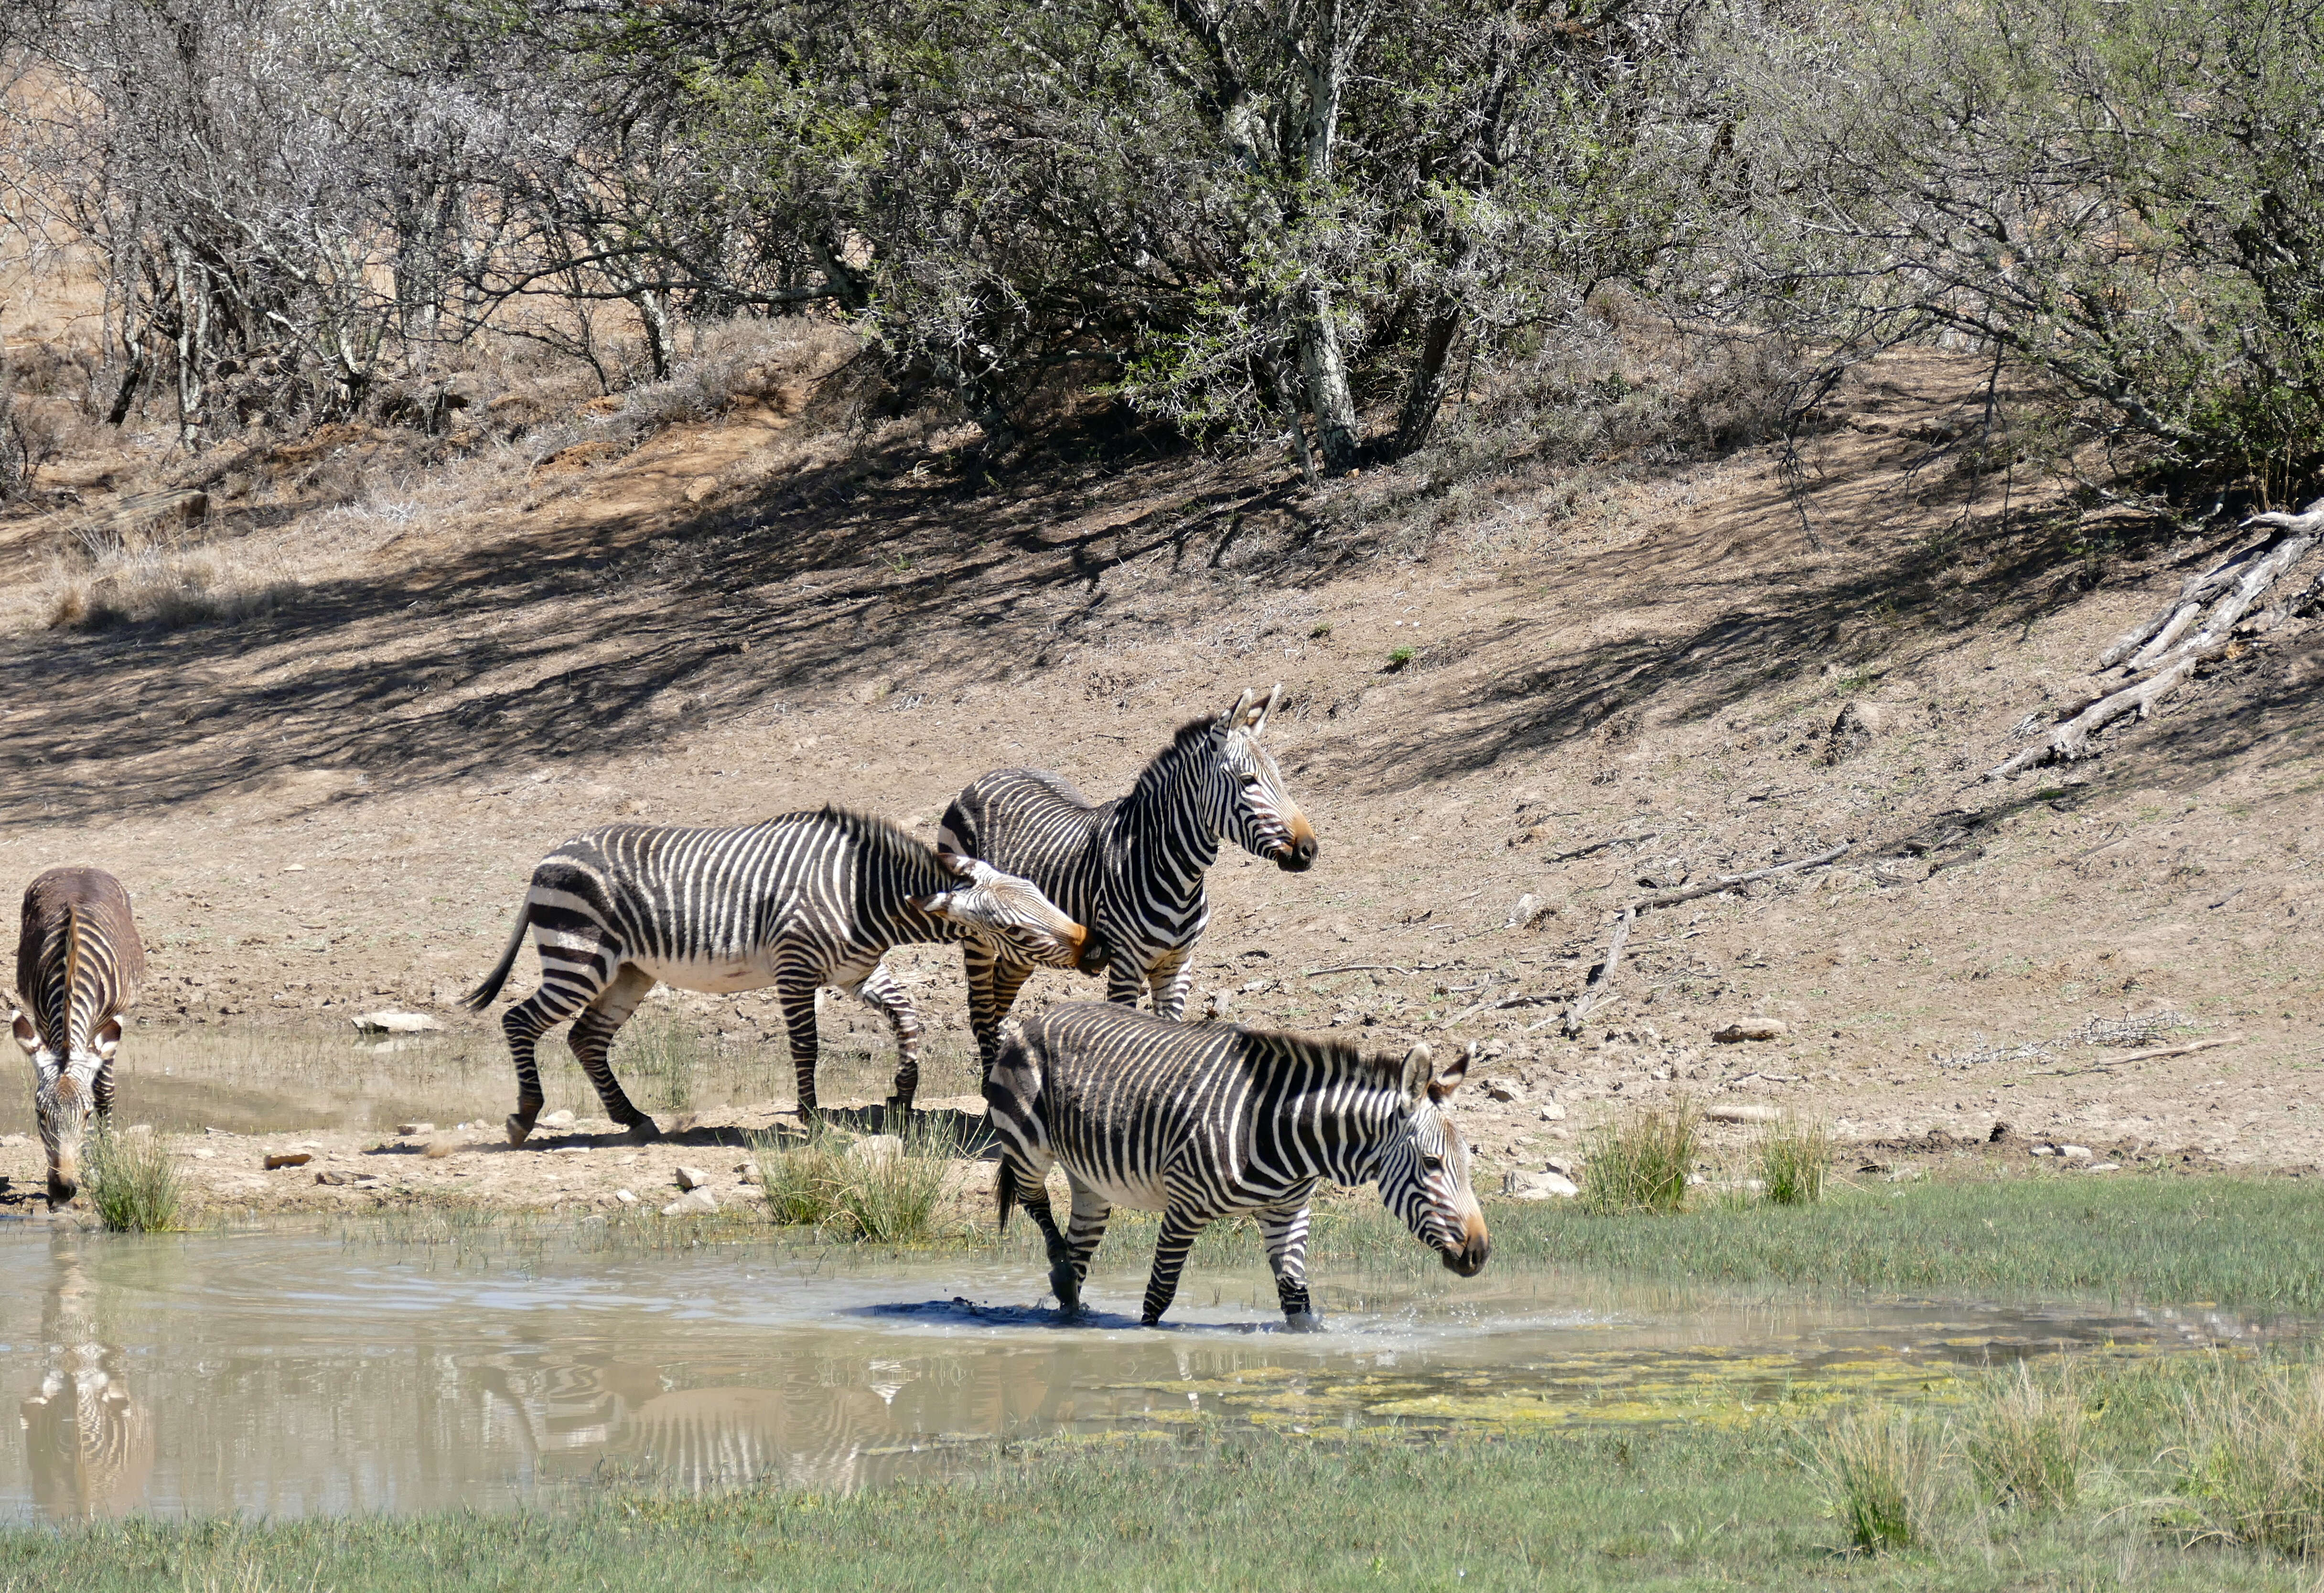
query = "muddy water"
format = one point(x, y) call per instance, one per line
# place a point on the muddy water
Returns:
point(288, 1375)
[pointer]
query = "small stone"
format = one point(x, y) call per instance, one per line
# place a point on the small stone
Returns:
point(1504, 1089)
point(389, 1022)
point(1905, 1175)
point(2045, 1150)
point(1750, 1029)
point(293, 1159)
point(1528, 910)
point(694, 1202)
point(332, 1175)
point(1561, 1167)
point(558, 1119)
point(11, 1141)
point(202, 1152)
point(1539, 1186)
point(1551, 1112)
point(877, 1148)
point(2075, 1153)
point(438, 1149)
point(1723, 1113)
point(2103, 1167)
point(692, 1177)
point(626, 1197)
point(415, 1128)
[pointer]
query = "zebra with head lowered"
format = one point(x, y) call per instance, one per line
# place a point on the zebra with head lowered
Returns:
point(1200, 1121)
point(78, 964)
point(1130, 869)
point(798, 902)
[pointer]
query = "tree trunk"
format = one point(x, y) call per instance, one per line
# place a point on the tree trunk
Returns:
point(1328, 396)
point(1426, 395)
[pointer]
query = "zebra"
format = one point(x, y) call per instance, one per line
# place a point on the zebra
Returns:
point(1201, 1121)
point(1130, 869)
point(797, 902)
point(79, 966)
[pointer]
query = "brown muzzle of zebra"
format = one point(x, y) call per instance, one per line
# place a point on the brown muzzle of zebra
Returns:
point(1476, 1246)
point(1094, 952)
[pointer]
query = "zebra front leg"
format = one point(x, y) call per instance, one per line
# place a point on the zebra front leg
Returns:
point(591, 1040)
point(1284, 1229)
point(1030, 1190)
point(1170, 977)
point(993, 987)
point(1180, 1229)
point(879, 991)
point(795, 988)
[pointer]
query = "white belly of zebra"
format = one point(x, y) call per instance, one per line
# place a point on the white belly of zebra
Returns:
point(712, 976)
point(1137, 1194)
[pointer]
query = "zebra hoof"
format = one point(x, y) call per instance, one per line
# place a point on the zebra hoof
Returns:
point(643, 1132)
point(1303, 1321)
point(519, 1129)
point(1069, 1291)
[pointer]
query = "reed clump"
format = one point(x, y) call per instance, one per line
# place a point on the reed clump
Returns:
point(1643, 1161)
point(886, 1188)
point(1792, 1158)
point(1879, 1471)
point(2255, 1459)
point(132, 1182)
point(2028, 1449)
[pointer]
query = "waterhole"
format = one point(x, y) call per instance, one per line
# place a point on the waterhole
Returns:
point(294, 1374)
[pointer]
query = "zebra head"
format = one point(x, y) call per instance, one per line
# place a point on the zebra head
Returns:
point(64, 1098)
point(1424, 1173)
point(1012, 914)
point(1248, 804)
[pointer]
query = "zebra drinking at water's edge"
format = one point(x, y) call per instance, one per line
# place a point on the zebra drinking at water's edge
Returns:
point(1130, 869)
point(798, 902)
point(1200, 1121)
point(78, 964)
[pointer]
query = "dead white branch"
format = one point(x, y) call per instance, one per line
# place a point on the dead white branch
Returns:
point(1671, 898)
point(2164, 651)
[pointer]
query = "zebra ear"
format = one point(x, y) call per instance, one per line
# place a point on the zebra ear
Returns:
point(964, 866)
point(1416, 1072)
point(1447, 1082)
point(26, 1036)
point(935, 906)
point(1258, 715)
point(1242, 707)
point(109, 1039)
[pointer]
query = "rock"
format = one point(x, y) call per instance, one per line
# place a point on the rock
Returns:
point(1529, 912)
point(1539, 1186)
point(1551, 1112)
point(1750, 1029)
point(557, 1119)
point(331, 1176)
point(11, 1141)
point(2075, 1153)
point(293, 1159)
point(202, 1152)
point(1906, 1175)
point(2045, 1150)
point(1504, 1089)
point(1741, 1114)
point(388, 1021)
point(692, 1177)
point(623, 1197)
point(2103, 1167)
point(1216, 1003)
point(1561, 1167)
point(1863, 719)
point(876, 1147)
point(438, 1149)
point(1902, 870)
point(694, 1202)
point(415, 1128)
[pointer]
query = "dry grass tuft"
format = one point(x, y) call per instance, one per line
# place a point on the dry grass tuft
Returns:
point(132, 1182)
point(2255, 1467)
point(1879, 1470)
point(2028, 1449)
point(1792, 1160)
point(1642, 1163)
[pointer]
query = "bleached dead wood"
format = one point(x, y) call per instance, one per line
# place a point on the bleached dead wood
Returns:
point(1671, 898)
point(2158, 656)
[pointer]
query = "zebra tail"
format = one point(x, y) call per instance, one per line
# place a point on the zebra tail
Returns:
point(477, 1000)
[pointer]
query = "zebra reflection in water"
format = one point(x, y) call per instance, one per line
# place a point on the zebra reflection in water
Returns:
point(89, 1440)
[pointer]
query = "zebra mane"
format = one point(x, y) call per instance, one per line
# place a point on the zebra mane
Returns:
point(882, 834)
point(1188, 738)
point(1268, 1048)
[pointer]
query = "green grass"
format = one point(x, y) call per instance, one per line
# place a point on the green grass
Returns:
point(893, 1195)
point(2028, 1448)
point(131, 1182)
point(1683, 1507)
point(1792, 1160)
point(1641, 1162)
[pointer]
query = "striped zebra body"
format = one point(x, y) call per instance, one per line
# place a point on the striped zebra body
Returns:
point(79, 966)
point(1200, 1121)
point(1132, 868)
point(798, 902)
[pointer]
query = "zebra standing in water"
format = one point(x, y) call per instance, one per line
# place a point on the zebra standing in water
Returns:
point(79, 965)
point(1130, 869)
point(798, 902)
point(1200, 1121)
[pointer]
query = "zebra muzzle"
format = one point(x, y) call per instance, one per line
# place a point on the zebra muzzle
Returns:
point(1094, 953)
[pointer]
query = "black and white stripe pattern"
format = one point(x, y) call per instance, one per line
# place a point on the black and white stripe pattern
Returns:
point(1130, 869)
point(79, 966)
point(1200, 1121)
point(798, 902)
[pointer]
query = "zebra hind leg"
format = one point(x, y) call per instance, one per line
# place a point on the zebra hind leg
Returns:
point(591, 1040)
point(1179, 1229)
point(879, 991)
point(1032, 1193)
point(993, 987)
point(1172, 975)
point(1086, 1229)
point(1284, 1229)
point(523, 1025)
